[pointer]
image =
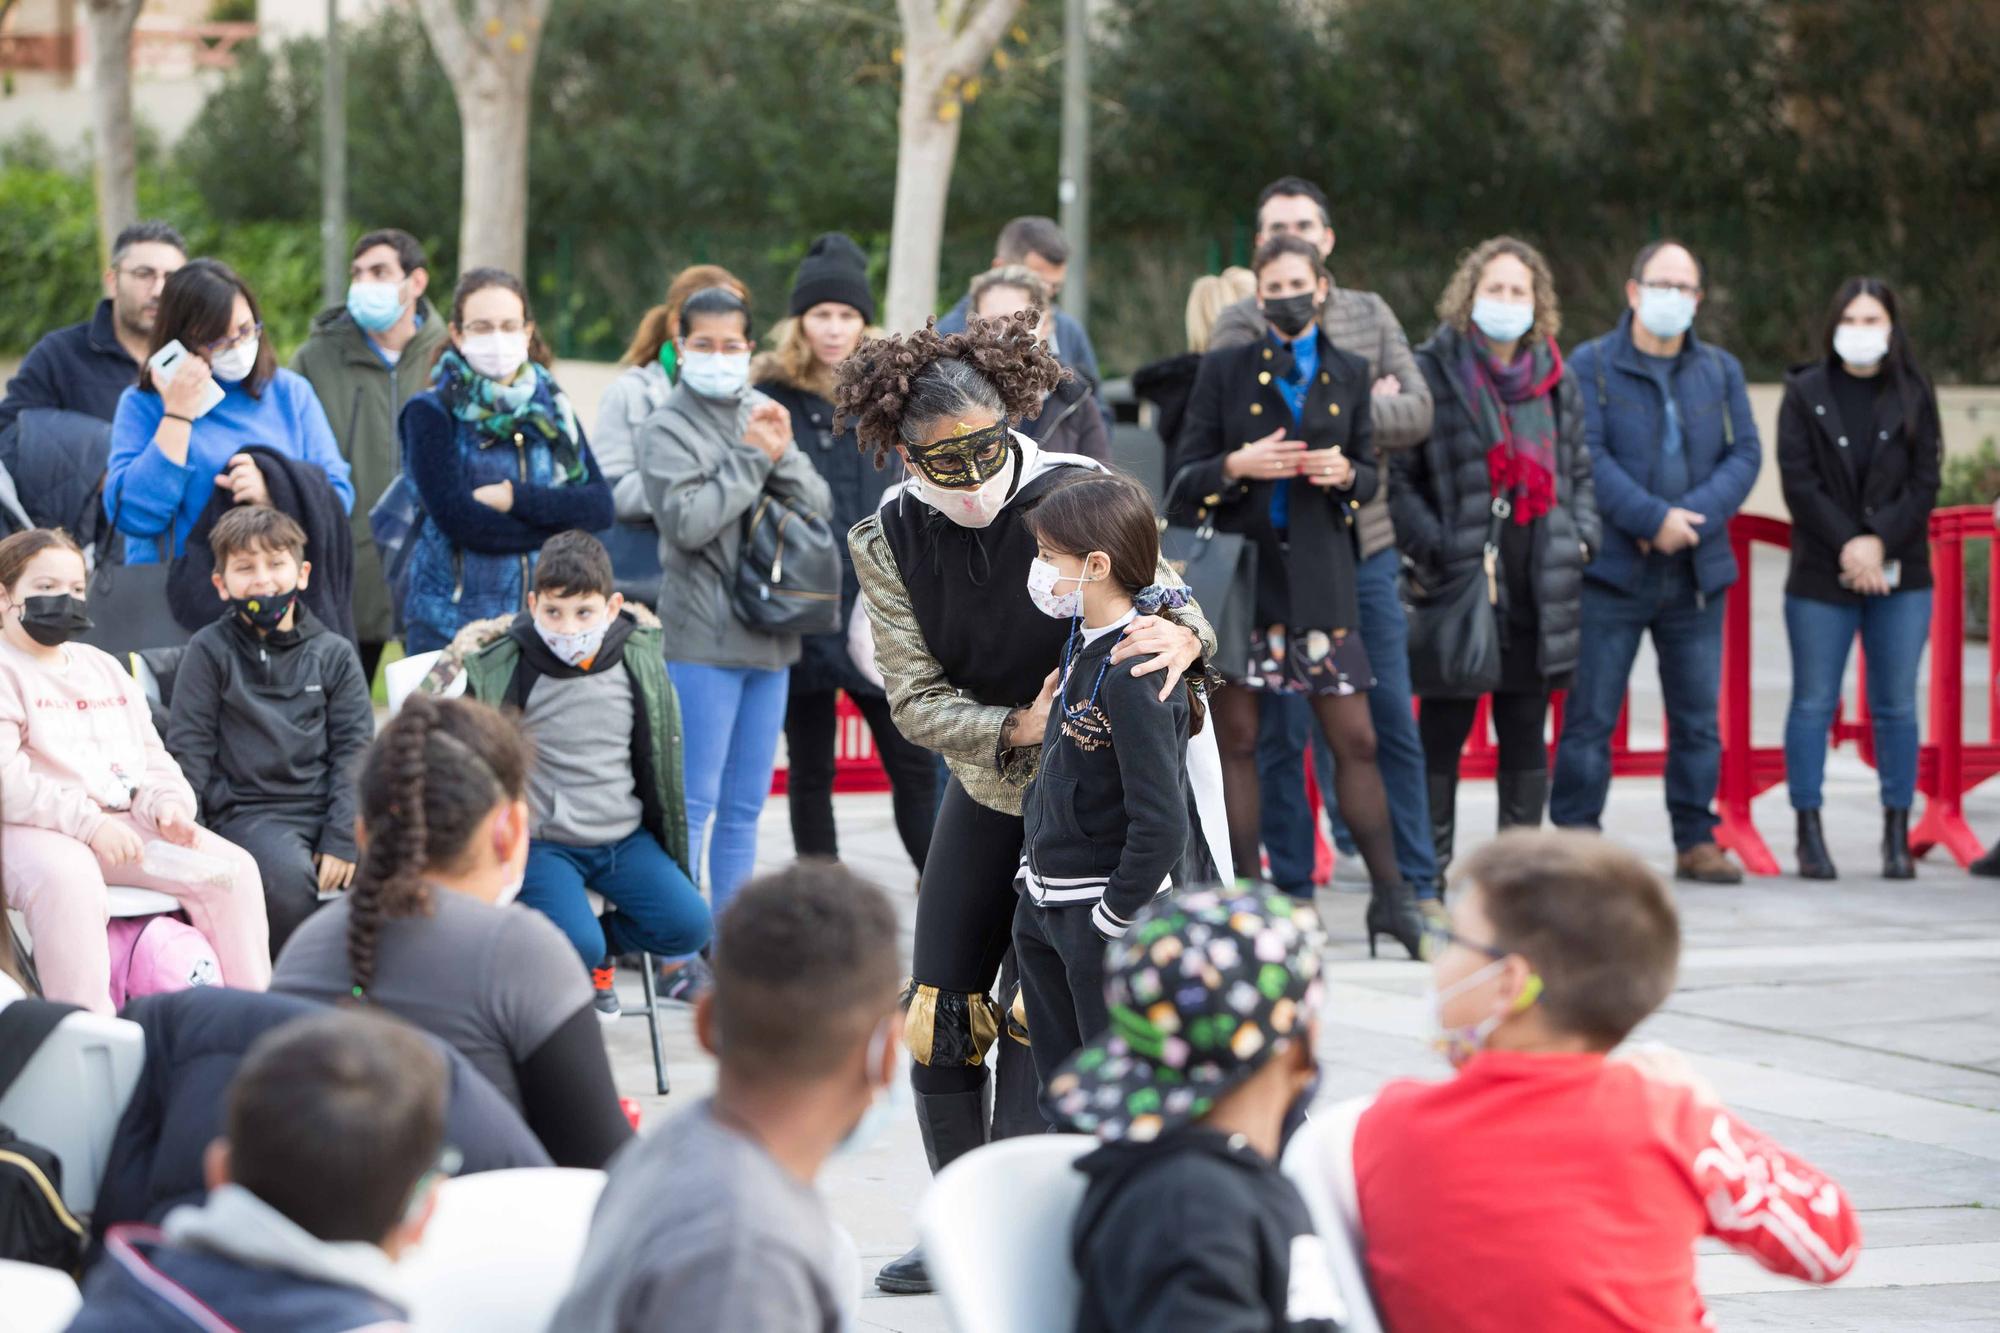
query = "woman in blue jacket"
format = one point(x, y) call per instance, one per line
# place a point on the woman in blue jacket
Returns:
point(500, 463)
point(170, 449)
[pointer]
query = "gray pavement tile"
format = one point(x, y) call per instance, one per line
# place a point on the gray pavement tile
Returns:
point(1863, 1310)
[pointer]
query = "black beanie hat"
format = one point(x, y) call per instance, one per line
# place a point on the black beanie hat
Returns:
point(834, 269)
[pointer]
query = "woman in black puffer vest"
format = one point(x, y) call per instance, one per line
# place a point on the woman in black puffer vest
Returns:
point(1508, 425)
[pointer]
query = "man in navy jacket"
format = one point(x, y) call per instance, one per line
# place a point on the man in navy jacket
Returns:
point(1674, 453)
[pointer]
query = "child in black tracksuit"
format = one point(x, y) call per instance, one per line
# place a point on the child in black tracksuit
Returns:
point(1106, 818)
point(269, 717)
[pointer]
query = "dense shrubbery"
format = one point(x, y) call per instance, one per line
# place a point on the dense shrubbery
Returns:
point(1791, 141)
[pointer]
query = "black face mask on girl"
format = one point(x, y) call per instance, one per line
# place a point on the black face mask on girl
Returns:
point(54, 619)
point(1289, 315)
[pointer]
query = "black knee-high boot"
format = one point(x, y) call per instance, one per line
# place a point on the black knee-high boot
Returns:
point(953, 1124)
point(1444, 814)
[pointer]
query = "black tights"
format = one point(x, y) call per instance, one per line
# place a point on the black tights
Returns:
point(1357, 782)
point(1517, 721)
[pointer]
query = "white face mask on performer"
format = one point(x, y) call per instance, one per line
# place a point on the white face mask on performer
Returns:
point(978, 506)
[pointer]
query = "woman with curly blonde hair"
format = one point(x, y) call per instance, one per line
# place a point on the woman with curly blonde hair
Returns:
point(1505, 475)
point(966, 656)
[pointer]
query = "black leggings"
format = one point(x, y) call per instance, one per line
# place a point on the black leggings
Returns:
point(810, 719)
point(1350, 734)
point(965, 917)
point(1517, 721)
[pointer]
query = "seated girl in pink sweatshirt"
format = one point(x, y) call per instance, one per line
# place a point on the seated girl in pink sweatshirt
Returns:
point(85, 784)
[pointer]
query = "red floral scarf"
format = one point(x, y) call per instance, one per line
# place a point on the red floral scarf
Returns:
point(1516, 408)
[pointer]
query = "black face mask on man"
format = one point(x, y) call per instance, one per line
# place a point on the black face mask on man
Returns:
point(55, 619)
point(1289, 315)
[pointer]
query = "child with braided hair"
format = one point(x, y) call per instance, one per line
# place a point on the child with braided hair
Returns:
point(430, 933)
point(964, 656)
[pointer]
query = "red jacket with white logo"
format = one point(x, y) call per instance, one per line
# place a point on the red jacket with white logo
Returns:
point(1567, 1192)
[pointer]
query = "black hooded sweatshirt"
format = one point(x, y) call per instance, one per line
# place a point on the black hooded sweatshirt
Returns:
point(1198, 1233)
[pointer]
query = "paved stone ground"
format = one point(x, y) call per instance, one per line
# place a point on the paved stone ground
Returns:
point(1854, 1021)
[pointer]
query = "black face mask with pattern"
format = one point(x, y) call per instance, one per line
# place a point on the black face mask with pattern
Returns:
point(265, 613)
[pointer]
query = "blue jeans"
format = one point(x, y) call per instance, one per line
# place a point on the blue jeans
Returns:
point(1285, 726)
point(659, 909)
point(732, 718)
point(1687, 636)
point(1893, 631)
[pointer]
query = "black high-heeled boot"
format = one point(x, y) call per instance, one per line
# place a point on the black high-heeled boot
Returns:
point(1392, 911)
point(1815, 862)
point(953, 1124)
point(1523, 794)
point(1896, 860)
point(1443, 792)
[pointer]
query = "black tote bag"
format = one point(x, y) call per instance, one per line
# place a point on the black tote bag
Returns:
point(1455, 631)
point(1220, 569)
point(129, 610)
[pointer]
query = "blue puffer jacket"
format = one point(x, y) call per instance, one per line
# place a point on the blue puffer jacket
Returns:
point(1623, 415)
point(471, 562)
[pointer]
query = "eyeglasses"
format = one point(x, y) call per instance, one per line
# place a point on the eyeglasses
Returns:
point(485, 327)
point(1684, 288)
point(708, 346)
point(1439, 937)
point(236, 339)
point(964, 460)
point(146, 277)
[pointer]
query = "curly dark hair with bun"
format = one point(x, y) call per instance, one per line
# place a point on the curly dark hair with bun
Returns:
point(426, 784)
point(893, 390)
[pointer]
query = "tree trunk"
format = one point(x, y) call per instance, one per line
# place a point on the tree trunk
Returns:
point(493, 203)
point(925, 147)
point(117, 154)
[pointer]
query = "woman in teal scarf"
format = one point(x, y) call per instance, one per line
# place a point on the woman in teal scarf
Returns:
point(496, 454)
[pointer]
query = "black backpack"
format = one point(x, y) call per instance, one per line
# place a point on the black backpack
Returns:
point(788, 573)
point(35, 1225)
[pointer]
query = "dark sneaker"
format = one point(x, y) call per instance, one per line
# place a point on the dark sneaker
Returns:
point(1707, 864)
point(604, 981)
point(687, 983)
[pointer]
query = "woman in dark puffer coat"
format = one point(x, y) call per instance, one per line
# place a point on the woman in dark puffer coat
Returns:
point(1508, 425)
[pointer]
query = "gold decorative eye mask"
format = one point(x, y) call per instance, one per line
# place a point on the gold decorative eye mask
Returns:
point(966, 458)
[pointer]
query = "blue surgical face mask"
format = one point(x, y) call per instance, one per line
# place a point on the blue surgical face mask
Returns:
point(1666, 313)
point(1502, 321)
point(716, 374)
point(885, 1106)
point(375, 306)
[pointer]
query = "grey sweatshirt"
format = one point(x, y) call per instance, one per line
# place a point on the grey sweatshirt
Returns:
point(701, 479)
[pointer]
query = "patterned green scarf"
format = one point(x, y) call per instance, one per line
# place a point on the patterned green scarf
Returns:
point(531, 406)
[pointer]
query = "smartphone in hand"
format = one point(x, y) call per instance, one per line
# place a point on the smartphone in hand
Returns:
point(166, 362)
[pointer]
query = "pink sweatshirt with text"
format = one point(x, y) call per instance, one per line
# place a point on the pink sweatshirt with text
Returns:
point(76, 741)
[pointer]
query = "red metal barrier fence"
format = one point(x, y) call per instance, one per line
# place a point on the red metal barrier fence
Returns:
point(1947, 767)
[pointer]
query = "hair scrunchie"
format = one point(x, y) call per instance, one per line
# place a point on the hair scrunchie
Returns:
point(1154, 598)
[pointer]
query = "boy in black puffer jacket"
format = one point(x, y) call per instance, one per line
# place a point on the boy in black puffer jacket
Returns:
point(270, 715)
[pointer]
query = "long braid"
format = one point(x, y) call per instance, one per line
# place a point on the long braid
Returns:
point(390, 880)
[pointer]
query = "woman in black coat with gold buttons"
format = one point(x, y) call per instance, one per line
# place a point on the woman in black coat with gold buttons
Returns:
point(1277, 446)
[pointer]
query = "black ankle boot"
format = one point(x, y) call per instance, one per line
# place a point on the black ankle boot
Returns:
point(1523, 793)
point(953, 1124)
point(1987, 866)
point(1392, 911)
point(1896, 861)
point(1814, 860)
point(1444, 814)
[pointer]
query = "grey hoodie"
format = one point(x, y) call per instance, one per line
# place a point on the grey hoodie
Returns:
point(701, 479)
point(236, 1224)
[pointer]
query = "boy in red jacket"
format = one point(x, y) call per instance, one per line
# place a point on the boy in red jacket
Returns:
point(1547, 1184)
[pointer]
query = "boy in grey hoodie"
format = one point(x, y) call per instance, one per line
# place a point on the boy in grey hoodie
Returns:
point(326, 1174)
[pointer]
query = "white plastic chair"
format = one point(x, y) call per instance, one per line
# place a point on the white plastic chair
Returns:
point(996, 1232)
point(1319, 1161)
point(37, 1299)
point(501, 1250)
point(71, 1096)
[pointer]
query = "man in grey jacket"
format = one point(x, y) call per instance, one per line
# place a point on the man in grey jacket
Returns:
point(1361, 323)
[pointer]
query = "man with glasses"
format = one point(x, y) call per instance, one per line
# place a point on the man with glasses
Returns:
point(1674, 453)
point(83, 368)
point(365, 359)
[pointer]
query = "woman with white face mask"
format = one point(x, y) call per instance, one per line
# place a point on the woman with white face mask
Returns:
point(965, 655)
point(1507, 431)
point(706, 457)
point(496, 453)
point(1858, 453)
point(179, 434)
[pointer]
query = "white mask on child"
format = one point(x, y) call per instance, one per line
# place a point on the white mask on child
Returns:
point(574, 649)
point(1460, 1044)
point(1042, 580)
point(886, 1107)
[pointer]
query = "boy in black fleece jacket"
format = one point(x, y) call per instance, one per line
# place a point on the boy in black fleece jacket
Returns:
point(1187, 1223)
point(1106, 819)
point(269, 717)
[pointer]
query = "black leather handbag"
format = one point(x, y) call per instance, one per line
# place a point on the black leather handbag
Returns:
point(1220, 569)
point(788, 573)
point(128, 604)
point(1455, 630)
